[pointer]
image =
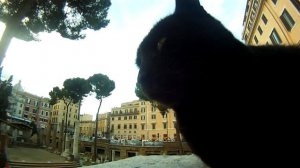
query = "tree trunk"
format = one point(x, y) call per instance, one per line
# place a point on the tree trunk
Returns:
point(4, 43)
point(78, 117)
point(66, 127)
point(96, 130)
point(8, 32)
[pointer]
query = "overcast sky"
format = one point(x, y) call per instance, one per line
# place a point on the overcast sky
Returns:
point(111, 51)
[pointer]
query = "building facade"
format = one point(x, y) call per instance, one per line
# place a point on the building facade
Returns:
point(272, 22)
point(87, 128)
point(104, 124)
point(87, 125)
point(140, 120)
point(29, 106)
point(86, 117)
point(60, 114)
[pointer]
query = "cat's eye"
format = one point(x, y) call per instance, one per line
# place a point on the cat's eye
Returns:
point(161, 43)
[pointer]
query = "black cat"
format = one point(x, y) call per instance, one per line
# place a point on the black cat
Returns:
point(236, 105)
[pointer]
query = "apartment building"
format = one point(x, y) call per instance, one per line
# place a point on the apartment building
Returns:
point(272, 22)
point(60, 114)
point(87, 125)
point(16, 101)
point(86, 117)
point(140, 120)
point(29, 106)
point(104, 124)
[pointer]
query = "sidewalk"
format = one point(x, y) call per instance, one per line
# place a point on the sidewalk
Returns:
point(23, 154)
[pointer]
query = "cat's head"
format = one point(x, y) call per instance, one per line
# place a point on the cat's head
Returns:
point(176, 47)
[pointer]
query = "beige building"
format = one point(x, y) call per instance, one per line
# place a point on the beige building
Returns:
point(87, 125)
point(87, 128)
point(86, 117)
point(140, 120)
point(59, 112)
point(272, 22)
point(104, 124)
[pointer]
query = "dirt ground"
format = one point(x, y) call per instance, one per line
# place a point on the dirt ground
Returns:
point(23, 154)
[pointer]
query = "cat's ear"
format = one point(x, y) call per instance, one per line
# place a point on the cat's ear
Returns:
point(189, 7)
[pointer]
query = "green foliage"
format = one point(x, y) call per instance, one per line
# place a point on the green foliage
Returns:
point(78, 88)
point(73, 91)
point(139, 93)
point(26, 18)
point(101, 85)
point(5, 92)
point(55, 95)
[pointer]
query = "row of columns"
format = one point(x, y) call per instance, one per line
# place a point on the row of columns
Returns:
point(57, 144)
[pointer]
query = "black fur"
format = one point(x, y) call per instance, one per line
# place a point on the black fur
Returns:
point(236, 105)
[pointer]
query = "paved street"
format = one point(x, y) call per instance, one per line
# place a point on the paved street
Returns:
point(33, 155)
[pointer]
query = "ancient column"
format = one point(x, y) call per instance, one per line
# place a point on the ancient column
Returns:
point(67, 153)
point(76, 140)
point(48, 134)
point(113, 155)
point(60, 138)
point(54, 137)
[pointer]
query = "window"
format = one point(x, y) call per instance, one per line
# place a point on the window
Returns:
point(246, 37)
point(274, 37)
point(274, 2)
point(112, 127)
point(143, 117)
point(265, 20)
point(260, 30)
point(249, 27)
point(135, 126)
point(119, 126)
point(255, 39)
point(26, 108)
point(119, 118)
point(112, 118)
point(135, 117)
point(296, 3)
point(165, 125)
point(153, 125)
point(125, 118)
point(143, 126)
point(130, 126)
point(255, 5)
point(125, 126)
point(287, 20)
point(153, 116)
point(253, 14)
